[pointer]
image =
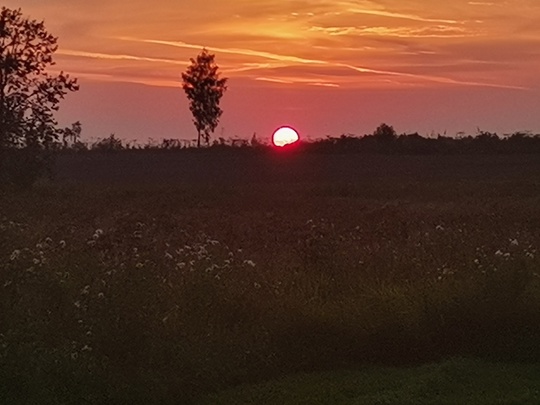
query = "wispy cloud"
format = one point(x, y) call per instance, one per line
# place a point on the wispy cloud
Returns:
point(436, 31)
point(323, 63)
point(107, 56)
point(413, 17)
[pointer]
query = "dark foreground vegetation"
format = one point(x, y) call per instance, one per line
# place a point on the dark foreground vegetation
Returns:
point(160, 277)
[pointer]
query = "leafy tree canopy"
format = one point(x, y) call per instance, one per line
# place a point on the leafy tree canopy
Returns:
point(29, 94)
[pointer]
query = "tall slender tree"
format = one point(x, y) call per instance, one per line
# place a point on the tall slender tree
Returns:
point(204, 88)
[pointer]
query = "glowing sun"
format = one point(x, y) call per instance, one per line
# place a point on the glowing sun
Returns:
point(285, 136)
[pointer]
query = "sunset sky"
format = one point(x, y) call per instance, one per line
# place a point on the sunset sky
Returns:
point(325, 67)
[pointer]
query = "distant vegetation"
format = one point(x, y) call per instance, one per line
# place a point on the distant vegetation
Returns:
point(384, 140)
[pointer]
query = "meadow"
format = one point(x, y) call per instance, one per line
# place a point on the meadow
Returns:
point(169, 276)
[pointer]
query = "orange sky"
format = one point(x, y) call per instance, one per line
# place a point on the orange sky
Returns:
point(322, 66)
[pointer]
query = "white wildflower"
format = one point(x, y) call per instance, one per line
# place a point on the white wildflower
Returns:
point(514, 242)
point(139, 265)
point(86, 348)
point(180, 265)
point(85, 290)
point(506, 255)
point(15, 254)
point(498, 253)
point(98, 232)
point(62, 244)
point(101, 295)
point(249, 263)
point(36, 261)
point(213, 242)
point(439, 228)
point(77, 304)
point(48, 240)
point(256, 285)
point(168, 255)
point(91, 243)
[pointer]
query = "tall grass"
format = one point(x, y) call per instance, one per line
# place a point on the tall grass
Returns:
point(159, 295)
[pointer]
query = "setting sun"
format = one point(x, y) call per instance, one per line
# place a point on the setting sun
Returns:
point(285, 136)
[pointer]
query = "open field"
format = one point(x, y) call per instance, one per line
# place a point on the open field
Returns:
point(158, 277)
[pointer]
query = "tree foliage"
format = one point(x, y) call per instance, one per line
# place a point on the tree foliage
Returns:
point(204, 89)
point(385, 132)
point(29, 94)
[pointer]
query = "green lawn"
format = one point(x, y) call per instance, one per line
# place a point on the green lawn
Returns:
point(459, 381)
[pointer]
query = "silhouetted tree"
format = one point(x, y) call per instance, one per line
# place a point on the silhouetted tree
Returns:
point(29, 95)
point(109, 144)
point(204, 89)
point(71, 136)
point(385, 132)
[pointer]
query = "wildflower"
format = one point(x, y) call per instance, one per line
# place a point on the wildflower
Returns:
point(168, 255)
point(256, 285)
point(213, 242)
point(85, 290)
point(77, 304)
point(48, 240)
point(98, 232)
point(498, 253)
point(15, 254)
point(137, 235)
point(514, 242)
point(439, 228)
point(180, 265)
point(139, 265)
point(39, 246)
point(249, 263)
point(36, 261)
point(101, 295)
point(62, 244)
point(86, 348)
point(74, 356)
point(529, 255)
point(91, 243)
point(506, 255)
